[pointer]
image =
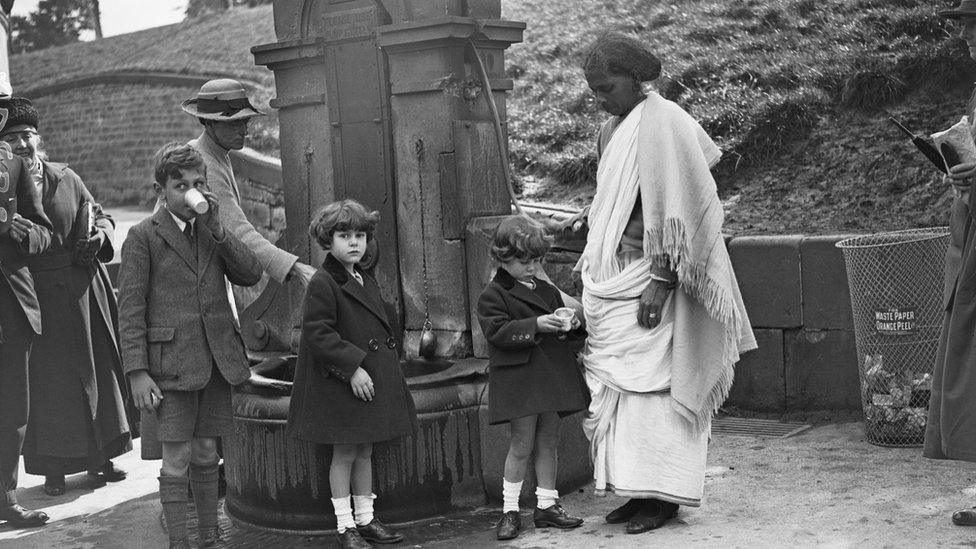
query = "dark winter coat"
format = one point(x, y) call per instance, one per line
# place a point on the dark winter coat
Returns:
point(529, 372)
point(951, 428)
point(345, 326)
point(16, 182)
point(76, 402)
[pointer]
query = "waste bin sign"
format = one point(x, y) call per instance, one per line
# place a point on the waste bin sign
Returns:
point(896, 281)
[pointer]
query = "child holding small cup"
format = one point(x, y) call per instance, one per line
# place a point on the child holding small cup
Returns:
point(533, 377)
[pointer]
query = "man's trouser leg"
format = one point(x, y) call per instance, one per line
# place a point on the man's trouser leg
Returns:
point(16, 337)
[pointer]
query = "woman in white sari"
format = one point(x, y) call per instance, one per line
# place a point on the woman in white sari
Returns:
point(664, 313)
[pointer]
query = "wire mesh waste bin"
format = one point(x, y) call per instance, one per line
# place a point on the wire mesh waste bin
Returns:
point(896, 282)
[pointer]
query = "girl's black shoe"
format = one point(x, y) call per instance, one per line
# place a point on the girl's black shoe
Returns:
point(554, 516)
point(351, 539)
point(378, 532)
point(508, 526)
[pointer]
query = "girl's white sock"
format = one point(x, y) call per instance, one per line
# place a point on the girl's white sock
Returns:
point(510, 495)
point(545, 498)
point(364, 508)
point(343, 512)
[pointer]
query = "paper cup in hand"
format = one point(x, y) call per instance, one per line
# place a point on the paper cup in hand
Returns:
point(565, 314)
point(196, 201)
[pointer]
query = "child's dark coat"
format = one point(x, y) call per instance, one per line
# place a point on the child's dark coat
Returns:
point(344, 326)
point(529, 372)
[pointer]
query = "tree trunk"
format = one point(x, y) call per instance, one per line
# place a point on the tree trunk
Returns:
point(96, 13)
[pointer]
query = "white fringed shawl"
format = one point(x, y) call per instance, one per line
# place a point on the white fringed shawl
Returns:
point(682, 222)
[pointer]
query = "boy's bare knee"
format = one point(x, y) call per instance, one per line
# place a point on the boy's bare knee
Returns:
point(203, 451)
point(176, 458)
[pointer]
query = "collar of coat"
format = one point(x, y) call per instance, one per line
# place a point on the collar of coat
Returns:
point(162, 220)
point(367, 293)
point(521, 291)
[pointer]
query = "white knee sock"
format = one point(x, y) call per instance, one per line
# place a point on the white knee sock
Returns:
point(545, 498)
point(343, 512)
point(363, 508)
point(510, 495)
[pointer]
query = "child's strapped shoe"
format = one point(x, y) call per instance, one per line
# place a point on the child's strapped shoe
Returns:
point(351, 539)
point(554, 516)
point(508, 526)
point(378, 532)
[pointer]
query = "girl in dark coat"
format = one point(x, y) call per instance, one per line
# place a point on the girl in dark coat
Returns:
point(77, 417)
point(349, 390)
point(533, 376)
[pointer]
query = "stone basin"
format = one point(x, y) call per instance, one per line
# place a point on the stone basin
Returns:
point(453, 462)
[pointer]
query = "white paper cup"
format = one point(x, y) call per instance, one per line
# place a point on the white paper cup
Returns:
point(565, 314)
point(196, 201)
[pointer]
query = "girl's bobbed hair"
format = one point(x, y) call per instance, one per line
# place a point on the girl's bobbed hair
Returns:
point(519, 237)
point(342, 215)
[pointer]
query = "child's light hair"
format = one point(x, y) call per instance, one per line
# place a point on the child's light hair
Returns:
point(342, 215)
point(173, 158)
point(519, 237)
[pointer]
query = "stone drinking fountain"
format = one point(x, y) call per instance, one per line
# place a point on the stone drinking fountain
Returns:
point(385, 101)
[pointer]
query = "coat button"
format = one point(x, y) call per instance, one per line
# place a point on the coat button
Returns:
point(374, 345)
point(391, 343)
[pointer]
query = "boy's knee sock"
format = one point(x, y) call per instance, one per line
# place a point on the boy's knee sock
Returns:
point(343, 512)
point(363, 508)
point(203, 484)
point(545, 498)
point(510, 495)
point(172, 496)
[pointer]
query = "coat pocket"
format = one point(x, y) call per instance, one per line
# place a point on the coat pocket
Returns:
point(159, 337)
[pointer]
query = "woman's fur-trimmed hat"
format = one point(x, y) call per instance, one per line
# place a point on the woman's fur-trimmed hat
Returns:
point(20, 112)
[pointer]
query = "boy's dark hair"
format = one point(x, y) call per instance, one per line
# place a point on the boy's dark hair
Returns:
point(342, 215)
point(174, 157)
point(519, 237)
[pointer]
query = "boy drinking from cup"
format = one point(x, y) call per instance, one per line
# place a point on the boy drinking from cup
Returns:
point(180, 347)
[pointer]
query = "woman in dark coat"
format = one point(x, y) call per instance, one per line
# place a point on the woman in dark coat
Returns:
point(77, 417)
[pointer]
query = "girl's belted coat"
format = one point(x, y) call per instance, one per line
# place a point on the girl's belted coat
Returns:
point(529, 372)
point(345, 326)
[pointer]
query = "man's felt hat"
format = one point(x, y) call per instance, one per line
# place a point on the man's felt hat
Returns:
point(20, 112)
point(223, 100)
point(966, 8)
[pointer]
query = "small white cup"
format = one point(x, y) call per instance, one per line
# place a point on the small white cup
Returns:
point(196, 201)
point(565, 314)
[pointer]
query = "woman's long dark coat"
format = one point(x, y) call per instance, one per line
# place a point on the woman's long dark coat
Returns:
point(345, 326)
point(529, 372)
point(77, 415)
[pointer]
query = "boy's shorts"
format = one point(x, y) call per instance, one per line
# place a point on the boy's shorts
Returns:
point(185, 415)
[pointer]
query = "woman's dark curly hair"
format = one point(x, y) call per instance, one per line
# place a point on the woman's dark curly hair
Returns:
point(342, 215)
point(519, 237)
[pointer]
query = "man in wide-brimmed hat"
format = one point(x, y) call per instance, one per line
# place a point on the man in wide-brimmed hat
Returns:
point(950, 432)
point(224, 110)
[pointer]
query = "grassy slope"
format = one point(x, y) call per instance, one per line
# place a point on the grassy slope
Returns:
point(795, 92)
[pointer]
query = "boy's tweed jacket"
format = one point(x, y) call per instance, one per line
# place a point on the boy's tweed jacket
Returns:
point(174, 317)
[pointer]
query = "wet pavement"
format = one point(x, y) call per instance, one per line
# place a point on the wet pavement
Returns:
point(824, 487)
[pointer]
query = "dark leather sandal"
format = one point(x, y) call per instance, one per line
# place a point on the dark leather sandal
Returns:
point(652, 515)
